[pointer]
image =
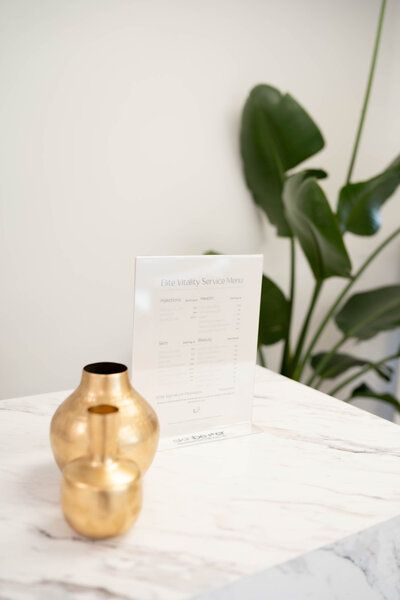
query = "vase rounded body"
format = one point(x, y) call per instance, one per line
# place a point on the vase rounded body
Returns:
point(105, 383)
point(101, 494)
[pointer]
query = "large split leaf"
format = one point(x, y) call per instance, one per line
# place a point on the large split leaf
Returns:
point(367, 313)
point(364, 391)
point(315, 226)
point(340, 362)
point(359, 203)
point(274, 314)
point(276, 135)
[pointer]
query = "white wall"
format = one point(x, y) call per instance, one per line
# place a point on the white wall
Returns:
point(119, 122)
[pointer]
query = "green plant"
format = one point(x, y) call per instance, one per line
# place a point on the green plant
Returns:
point(276, 136)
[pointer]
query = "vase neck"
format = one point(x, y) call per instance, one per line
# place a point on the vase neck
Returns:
point(103, 432)
point(104, 380)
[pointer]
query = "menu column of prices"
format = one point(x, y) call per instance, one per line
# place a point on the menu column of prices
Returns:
point(194, 343)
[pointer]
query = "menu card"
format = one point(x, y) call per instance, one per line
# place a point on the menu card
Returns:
point(194, 343)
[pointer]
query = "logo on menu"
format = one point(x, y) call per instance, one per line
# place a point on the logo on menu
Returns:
point(199, 437)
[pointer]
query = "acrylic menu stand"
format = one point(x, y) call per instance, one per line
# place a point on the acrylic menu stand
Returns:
point(194, 343)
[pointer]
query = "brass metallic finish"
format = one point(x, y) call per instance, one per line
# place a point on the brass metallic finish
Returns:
point(101, 495)
point(105, 383)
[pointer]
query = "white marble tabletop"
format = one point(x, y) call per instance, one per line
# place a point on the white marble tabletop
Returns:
point(307, 508)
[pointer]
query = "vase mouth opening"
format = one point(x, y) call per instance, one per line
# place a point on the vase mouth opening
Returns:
point(103, 409)
point(105, 368)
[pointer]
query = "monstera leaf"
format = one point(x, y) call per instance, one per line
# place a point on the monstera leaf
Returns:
point(359, 203)
point(339, 363)
point(276, 135)
point(274, 314)
point(367, 313)
point(364, 391)
point(315, 226)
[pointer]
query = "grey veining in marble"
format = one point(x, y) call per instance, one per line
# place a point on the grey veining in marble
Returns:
point(308, 508)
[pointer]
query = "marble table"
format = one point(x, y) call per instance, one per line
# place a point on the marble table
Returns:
point(309, 507)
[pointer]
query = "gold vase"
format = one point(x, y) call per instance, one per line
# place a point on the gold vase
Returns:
point(105, 383)
point(101, 495)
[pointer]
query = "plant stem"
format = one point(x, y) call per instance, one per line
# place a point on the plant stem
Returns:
point(367, 91)
point(318, 383)
point(285, 365)
point(364, 369)
point(343, 293)
point(304, 329)
point(261, 357)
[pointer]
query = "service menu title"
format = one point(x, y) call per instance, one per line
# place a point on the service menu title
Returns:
point(202, 281)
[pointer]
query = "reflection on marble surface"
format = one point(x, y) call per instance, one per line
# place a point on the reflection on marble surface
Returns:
point(308, 508)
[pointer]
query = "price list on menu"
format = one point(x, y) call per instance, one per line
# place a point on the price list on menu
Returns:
point(194, 343)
